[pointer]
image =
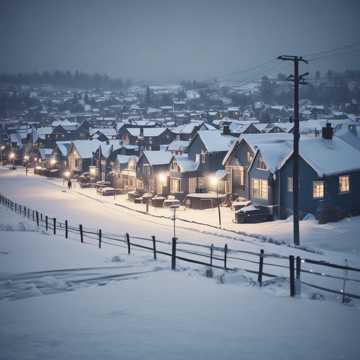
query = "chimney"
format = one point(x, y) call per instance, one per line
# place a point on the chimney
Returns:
point(141, 131)
point(226, 128)
point(327, 132)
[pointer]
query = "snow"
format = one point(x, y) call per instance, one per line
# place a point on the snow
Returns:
point(62, 299)
point(148, 132)
point(328, 157)
point(85, 148)
point(158, 157)
point(81, 302)
point(214, 141)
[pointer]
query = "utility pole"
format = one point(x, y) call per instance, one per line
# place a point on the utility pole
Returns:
point(297, 80)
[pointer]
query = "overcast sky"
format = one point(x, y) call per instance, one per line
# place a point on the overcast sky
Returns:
point(170, 40)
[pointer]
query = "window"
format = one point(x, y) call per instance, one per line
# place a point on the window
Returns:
point(175, 185)
point(318, 189)
point(344, 183)
point(249, 157)
point(261, 164)
point(290, 184)
point(203, 158)
point(259, 188)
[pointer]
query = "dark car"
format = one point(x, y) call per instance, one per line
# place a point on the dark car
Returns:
point(253, 214)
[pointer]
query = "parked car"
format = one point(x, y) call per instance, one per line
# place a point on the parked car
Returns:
point(100, 185)
point(107, 191)
point(253, 214)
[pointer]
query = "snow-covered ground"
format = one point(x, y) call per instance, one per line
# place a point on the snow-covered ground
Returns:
point(61, 299)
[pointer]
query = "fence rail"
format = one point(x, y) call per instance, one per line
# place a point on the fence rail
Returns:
point(209, 256)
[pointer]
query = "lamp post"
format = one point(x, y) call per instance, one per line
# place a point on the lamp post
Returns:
point(174, 207)
point(215, 182)
point(12, 158)
point(26, 159)
point(2, 148)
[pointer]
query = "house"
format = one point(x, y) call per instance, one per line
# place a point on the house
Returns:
point(60, 154)
point(103, 134)
point(192, 173)
point(152, 171)
point(124, 172)
point(147, 138)
point(80, 155)
point(178, 147)
point(329, 176)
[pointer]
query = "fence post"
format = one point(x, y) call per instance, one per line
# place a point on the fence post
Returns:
point(66, 229)
point(81, 233)
point(37, 217)
point(41, 217)
point(100, 234)
point(128, 242)
point(15, 207)
point(173, 254)
point(225, 256)
point(292, 275)
point(154, 246)
point(211, 254)
point(344, 283)
point(261, 266)
point(54, 225)
point(20, 209)
point(24, 211)
point(298, 275)
point(33, 215)
point(46, 223)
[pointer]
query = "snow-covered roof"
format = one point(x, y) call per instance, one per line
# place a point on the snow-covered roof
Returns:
point(85, 148)
point(124, 159)
point(148, 132)
point(186, 164)
point(215, 141)
point(45, 153)
point(63, 147)
point(178, 145)
point(158, 157)
point(108, 132)
point(329, 157)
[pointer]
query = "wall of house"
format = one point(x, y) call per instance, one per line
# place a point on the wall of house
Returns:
point(349, 202)
point(236, 159)
point(256, 173)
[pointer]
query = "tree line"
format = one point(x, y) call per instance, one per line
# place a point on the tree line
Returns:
point(76, 79)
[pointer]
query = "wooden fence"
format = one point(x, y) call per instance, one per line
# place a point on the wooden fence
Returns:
point(210, 256)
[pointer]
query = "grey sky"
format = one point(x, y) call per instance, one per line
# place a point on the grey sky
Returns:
point(170, 40)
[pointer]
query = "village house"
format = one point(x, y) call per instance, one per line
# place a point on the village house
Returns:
point(152, 172)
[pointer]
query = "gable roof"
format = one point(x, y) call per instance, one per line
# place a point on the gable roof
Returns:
point(85, 148)
point(158, 157)
point(147, 131)
point(214, 140)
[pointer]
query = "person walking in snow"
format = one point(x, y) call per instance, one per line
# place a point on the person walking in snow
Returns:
point(69, 184)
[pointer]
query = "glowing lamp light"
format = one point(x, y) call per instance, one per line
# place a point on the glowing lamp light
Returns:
point(2, 147)
point(26, 157)
point(213, 180)
point(52, 162)
point(92, 170)
point(67, 174)
point(12, 156)
point(162, 178)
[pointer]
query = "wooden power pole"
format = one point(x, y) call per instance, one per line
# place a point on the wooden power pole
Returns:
point(297, 80)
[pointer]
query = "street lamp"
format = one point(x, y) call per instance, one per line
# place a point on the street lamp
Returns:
point(52, 162)
point(162, 179)
point(12, 158)
point(26, 159)
point(2, 148)
point(214, 181)
point(174, 207)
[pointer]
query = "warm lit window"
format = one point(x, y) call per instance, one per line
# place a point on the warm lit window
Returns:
point(344, 183)
point(249, 157)
point(290, 184)
point(259, 188)
point(318, 189)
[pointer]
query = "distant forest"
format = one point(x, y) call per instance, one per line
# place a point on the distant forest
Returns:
point(69, 79)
